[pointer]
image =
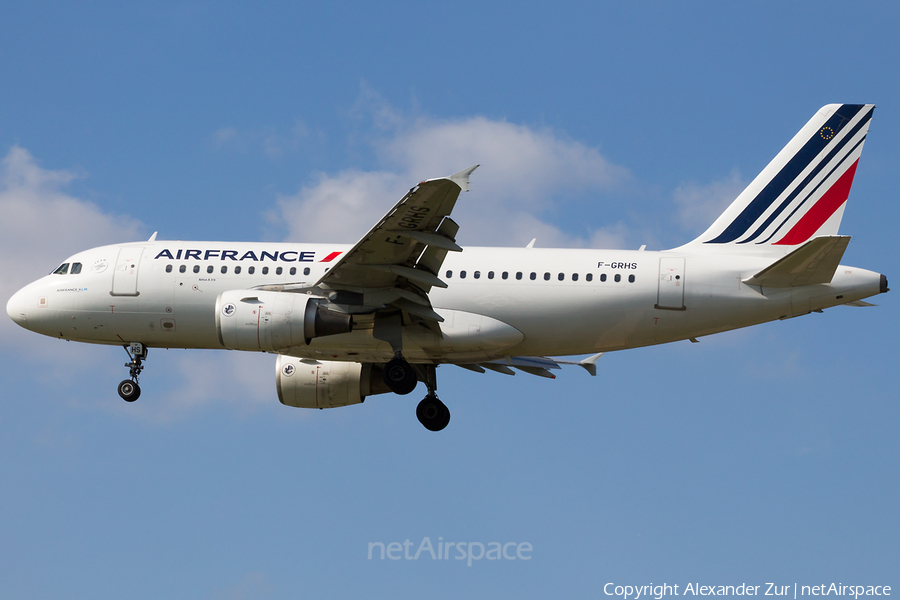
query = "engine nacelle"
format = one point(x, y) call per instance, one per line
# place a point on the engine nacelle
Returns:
point(324, 383)
point(271, 321)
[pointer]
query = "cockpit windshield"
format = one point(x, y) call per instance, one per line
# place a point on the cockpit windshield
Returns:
point(63, 269)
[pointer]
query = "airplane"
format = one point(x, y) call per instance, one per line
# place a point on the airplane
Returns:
point(347, 322)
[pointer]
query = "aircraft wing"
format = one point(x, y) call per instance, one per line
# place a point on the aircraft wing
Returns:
point(533, 365)
point(398, 260)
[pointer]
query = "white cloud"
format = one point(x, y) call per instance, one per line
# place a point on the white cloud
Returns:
point(188, 381)
point(38, 216)
point(42, 225)
point(339, 208)
point(522, 170)
point(699, 205)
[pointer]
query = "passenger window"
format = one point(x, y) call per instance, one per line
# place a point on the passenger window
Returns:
point(519, 275)
point(196, 268)
point(62, 269)
point(589, 277)
point(505, 275)
point(251, 270)
point(209, 269)
point(293, 270)
point(476, 274)
point(265, 271)
point(76, 268)
point(574, 276)
point(168, 268)
point(237, 270)
point(224, 269)
point(462, 274)
point(279, 271)
point(306, 271)
point(618, 278)
point(602, 276)
point(561, 276)
point(182, 269)
point(631, 279)
point(546, 276)
point(533, 275)
point(449, 274)
point(490, 274)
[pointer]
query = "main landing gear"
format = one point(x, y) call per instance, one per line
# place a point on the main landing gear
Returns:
point(399, 375)
point(129, 389)
point(432, 413)
point(402, 378)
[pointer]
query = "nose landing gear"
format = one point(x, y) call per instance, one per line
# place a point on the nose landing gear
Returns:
point(129, 389)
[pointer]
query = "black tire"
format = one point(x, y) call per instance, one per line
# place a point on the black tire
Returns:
point(399, 376)
point(129, 390)
point(433, 414)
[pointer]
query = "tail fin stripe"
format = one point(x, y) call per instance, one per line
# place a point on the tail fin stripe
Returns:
point(816, 216)
point(812, 175)
point(813, 192)
point(779, 183)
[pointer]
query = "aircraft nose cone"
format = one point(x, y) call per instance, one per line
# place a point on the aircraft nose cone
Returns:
point(15, 308)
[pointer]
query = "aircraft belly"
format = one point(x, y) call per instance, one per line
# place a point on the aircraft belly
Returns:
point(576, 320)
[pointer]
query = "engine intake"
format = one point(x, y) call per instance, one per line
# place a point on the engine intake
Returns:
point(272, 321)
point(324, 383)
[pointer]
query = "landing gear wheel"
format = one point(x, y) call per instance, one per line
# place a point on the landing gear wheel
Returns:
point(432, 413)
point(129, 390)
point(400, 376)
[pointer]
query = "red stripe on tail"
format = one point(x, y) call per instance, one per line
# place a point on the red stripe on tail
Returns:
point(821, 211)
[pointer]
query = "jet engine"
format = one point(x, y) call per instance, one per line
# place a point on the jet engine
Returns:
point(324, 383)
point(272, 321)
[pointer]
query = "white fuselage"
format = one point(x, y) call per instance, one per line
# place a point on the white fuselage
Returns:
point(499, 301)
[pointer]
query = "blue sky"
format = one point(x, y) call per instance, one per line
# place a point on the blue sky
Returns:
point(763, 455)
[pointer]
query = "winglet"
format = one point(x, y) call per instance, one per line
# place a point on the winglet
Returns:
point(462, 178)
point(153, 237)
point(590, 364)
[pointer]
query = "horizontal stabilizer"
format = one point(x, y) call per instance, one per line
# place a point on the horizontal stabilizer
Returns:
point(813, 262)
point(859, 304)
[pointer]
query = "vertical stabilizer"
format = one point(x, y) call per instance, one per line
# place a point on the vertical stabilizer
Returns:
point(801, 194)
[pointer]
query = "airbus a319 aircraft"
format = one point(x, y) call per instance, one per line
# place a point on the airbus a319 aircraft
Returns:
point(347, 322)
